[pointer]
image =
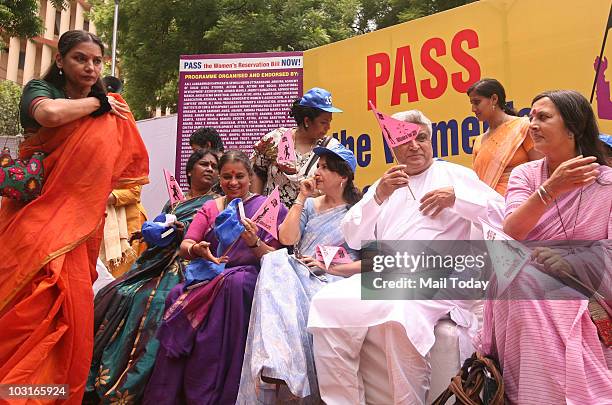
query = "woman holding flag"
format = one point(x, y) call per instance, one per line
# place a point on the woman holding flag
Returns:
point(313, 225)
point(204, 329)
point(283, 157)
point(129, 310)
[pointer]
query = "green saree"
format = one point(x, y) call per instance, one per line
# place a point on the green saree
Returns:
point(127, 314)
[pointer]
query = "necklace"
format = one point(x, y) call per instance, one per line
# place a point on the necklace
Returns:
point(559, 211)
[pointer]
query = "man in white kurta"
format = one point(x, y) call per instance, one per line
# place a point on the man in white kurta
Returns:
point(384, 345)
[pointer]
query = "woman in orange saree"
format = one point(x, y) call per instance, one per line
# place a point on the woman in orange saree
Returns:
point(506, 143)
point(48, 247)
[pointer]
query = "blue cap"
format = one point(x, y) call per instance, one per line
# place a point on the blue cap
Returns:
point(319, 98)
point(607, 139)
point(340, 151)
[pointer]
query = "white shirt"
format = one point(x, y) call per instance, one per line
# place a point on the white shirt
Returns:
point(339, 305)
point(399, 218)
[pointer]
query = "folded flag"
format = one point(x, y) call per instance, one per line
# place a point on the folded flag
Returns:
point(507, 255)
point(332, 255)
point(228, 226)
point(160, 231)
point(200, 269)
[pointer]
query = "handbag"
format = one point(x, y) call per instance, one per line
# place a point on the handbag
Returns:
point(600, 315)
point(21, 179)
point(479, 377)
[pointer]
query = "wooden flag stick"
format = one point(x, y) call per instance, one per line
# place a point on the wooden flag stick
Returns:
point(398, 162)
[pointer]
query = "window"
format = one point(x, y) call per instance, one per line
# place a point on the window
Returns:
point(21, 60)
point(58, 19)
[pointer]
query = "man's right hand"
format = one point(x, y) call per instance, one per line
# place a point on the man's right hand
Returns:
point(393, 179)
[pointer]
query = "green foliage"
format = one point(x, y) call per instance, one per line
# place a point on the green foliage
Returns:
point(19, 18)
point(153, 34)
point(10, 93)
point(376, 14)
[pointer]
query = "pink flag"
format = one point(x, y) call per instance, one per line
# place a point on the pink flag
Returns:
point(266, 216)
point(174, 190)
point(286, 149)
point(394, 131)
point(332, 254)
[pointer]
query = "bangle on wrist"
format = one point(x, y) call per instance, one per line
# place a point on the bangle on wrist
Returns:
point(298, 202)
point(546, 193)
point(543, 197)
point(189, 251)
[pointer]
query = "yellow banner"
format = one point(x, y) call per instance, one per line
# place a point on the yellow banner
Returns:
point(428, 64)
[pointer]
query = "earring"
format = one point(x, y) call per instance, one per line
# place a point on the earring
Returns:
point(341, 184)
point(61, 72)
point(493, 107)
point(305, 126)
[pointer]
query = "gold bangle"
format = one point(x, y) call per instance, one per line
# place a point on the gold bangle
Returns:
point(542, 197)
point(546, 193)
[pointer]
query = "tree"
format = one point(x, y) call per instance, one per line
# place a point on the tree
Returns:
point(376, 14)
point(19, 18)
point(154, 33)
point(10, 93)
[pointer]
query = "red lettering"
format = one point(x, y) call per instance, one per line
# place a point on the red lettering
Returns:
point(433, 67)
point(403, 64)
point(465, 60)
point(376, 80)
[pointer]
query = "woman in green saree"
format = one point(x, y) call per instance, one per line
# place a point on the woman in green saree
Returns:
point(128, 311)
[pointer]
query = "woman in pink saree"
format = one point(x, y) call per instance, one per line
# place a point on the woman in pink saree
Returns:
point(550, 350)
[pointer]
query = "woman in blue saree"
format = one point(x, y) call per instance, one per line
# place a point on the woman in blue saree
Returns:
point(204, 329)
point(279, 348)
point(129, 310)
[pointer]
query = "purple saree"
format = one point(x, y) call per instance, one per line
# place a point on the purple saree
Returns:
point(204, 329)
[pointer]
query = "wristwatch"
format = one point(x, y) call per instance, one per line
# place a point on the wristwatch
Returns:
point(257, 243)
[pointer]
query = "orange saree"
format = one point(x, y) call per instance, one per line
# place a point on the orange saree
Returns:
point(502, 150)
point(48, 250)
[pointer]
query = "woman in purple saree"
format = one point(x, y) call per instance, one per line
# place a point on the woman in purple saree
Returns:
point(204, 329)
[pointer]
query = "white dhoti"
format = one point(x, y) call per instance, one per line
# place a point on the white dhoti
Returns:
point(377, 352)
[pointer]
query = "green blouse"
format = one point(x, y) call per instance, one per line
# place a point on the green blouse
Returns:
point(34, 89)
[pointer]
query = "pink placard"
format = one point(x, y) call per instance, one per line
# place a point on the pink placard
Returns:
point(286, 149)
point(266, 216)
point(394, 131)
point(174, 190)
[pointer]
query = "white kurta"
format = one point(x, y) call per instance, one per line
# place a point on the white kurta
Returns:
point(339, 305)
